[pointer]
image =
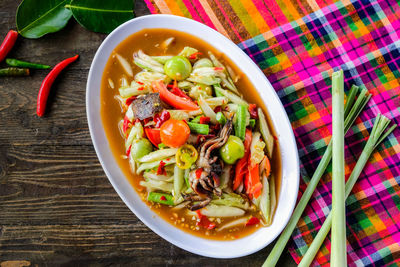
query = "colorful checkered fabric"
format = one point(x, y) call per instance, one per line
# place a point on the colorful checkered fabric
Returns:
point(298, 44)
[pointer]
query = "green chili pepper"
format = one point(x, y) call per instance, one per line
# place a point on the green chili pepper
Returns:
point(162, 198)
point(24, 64)
point(14, 72)
point(186, 156)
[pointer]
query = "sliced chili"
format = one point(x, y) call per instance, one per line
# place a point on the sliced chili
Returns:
point(198, 173)
point(48, 81)
point(161, 168)
point(126, 124)
point(8, 44)
point(217, 109)
point(177, 91)
point(252, 221)
point(130, 100)
point(129, 150)
point(204, 221)
point(194, 55)
point(204, 120)
point(253, 111)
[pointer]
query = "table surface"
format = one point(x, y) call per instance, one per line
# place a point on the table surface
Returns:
point(57, 207)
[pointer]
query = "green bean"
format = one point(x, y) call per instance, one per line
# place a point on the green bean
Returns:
point(24, 64)
point(196, 119)
point(14, 72)
point(162, 198)
point(240, 125)
point(199, 128)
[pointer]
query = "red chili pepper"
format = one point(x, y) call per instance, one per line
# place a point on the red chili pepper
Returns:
point(252, 221)
point(194, 55)
point(217, 109)
point(160, 118)
point(130, 100)
point(215, 128)
point(140, 83)
point(163, 198)
point(204, 120)
point(141, 88)
point(176, 91)
point(204, 221)
point(218, 68)
point(161, 169)
point(48, 81)
point(126, 123)
point(253, 111)
point(8, 44)
point(198, 173)
point(129, 150)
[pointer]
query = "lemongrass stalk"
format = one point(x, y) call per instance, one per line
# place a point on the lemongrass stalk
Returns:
point(338, 251)
point(350, 99)
point(351, 115)
point(376, 137)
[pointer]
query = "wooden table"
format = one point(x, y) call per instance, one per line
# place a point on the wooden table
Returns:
point(57, 207)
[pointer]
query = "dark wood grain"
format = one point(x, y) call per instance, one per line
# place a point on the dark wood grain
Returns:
point(57, 208)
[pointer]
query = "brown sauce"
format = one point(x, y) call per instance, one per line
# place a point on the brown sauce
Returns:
point(149, 41)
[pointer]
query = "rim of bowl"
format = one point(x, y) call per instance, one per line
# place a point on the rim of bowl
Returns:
point(150, 224)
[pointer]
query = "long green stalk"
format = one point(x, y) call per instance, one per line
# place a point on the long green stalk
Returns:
point(376, 137)
point(351, 115)
point(338, 251)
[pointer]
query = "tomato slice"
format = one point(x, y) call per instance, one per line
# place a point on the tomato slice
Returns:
point(153, 135)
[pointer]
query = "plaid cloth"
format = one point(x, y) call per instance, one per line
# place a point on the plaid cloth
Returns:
point(298, 44)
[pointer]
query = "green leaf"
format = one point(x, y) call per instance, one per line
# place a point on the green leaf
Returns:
point(101, 15)
point(37, 18)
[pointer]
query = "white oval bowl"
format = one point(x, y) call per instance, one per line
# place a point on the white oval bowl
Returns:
point(289, 156)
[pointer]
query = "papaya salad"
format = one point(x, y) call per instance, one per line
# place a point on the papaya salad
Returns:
point(196, 145)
